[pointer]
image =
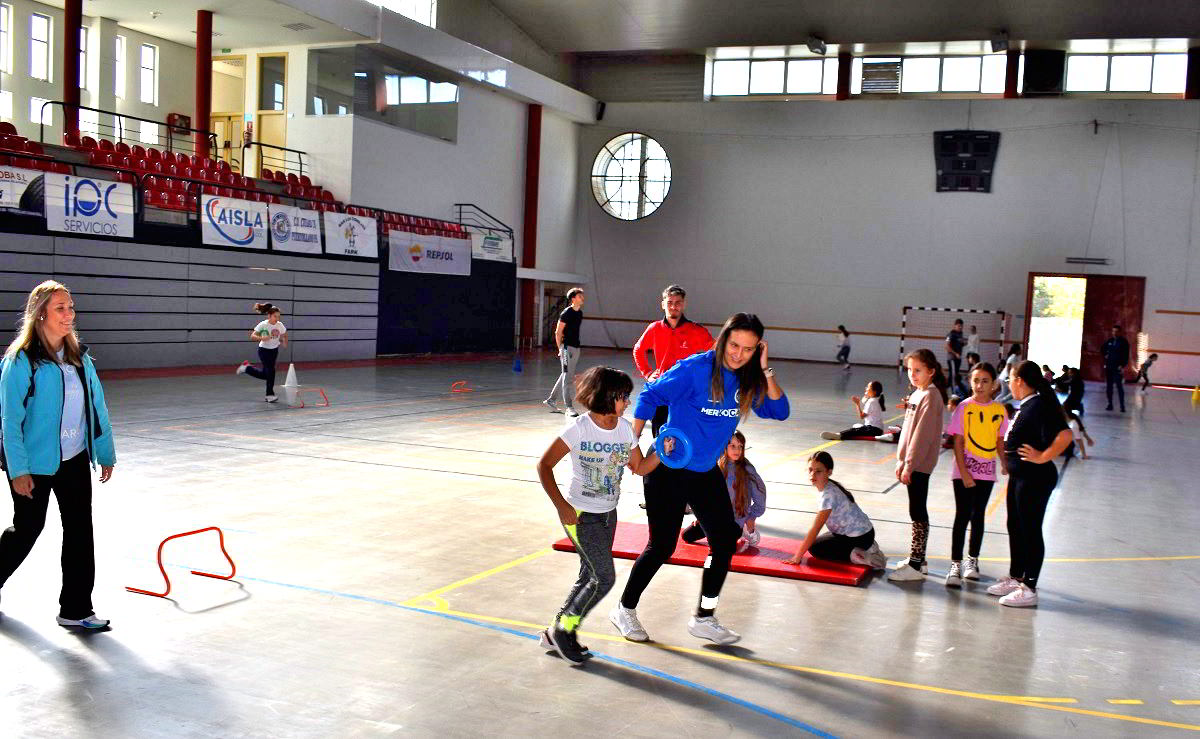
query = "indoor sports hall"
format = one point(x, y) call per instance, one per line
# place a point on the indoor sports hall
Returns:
point(373, 368)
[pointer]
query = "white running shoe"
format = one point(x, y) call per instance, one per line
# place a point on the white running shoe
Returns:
point(905, 572)
point(753, 538)
point(954, 576)
point(886, 437)
point(271, 398)
point(860, 556)
point(91, 622)
point(971, 568)
point(831, 435)
point(877, 557)
point(241, 370)
point(1004, 586)
point(626, 621)
point(551, 405)
point(708, 627)
point(1023, 597)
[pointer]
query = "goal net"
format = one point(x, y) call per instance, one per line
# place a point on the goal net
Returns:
point(926, 328)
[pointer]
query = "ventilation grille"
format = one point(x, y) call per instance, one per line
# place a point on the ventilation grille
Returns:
point(881, 77)
point(298, 27)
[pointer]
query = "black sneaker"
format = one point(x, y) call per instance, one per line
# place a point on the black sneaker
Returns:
point(565, 644)
point(544, 643)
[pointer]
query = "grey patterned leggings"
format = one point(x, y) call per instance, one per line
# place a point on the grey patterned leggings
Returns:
point(593, 538)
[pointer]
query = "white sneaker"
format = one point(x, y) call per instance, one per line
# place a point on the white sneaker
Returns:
point(905, 572)
point(572, 413)
point(271, 398)
point(708, 627)
point(971, 568)
point(1004, 586)
point(241, 370)
point(742, 545)
point(1023, 597)
point(878, 559)
point(831, 435)
point(626, 621)
point(551, 405)
point(753, 537)
point(860, 557)
point(954, 576)
point(886, 437)
point(91, 622)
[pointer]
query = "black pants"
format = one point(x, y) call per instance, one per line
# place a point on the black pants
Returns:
point(918, 496)
point(970, 505)
point(706, 493)
point(954, 365)
point(72, 486)
point(837, 548)
point(1029, 489)
point(1114, 376)
point(861, 431)
point(1144, 376)
point(267, 357)
point(843, 355)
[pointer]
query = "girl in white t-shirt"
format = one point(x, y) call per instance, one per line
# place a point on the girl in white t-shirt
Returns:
point(870, 411)
point(851, 537)
point(270, 335)
point(601, 444)
point(843, 347)
point(1080, 434)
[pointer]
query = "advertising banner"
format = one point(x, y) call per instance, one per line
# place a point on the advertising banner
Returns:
point(409, 252)
point(494, 247)
point(13, 181)
point(295, 229)
point(233, 222)
point(83, 205)
point(351, 236)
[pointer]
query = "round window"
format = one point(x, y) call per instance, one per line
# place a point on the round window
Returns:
point(631, 176)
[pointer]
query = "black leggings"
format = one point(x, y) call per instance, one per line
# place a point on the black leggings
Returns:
point(970, 505)
point(861, 431)
point(674, 490)
point(267, 357)
point(918, 496)
point(1029, 489)
point(837, 548)
point(72, 485)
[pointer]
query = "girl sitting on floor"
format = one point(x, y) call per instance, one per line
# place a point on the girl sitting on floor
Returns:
point(851, 537)
point(747, 492)
point(870, 412)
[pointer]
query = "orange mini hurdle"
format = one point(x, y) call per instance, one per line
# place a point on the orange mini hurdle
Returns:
point(167, 580)
point(301, 390)
point(461, 387)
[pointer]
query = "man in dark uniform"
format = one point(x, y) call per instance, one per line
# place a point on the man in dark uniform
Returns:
point(1116, 355)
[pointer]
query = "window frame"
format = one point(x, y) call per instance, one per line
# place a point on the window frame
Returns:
point(142, 69)
point(84, 33)
point(599, 174)
point(6, 38)
point(1108, 91)
point(48, 45)
point(120, 45)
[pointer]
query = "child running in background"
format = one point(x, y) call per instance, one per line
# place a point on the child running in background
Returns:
point(843, 347)
point(747, 491)
point(1144, 374)
point(978, 427)
point(851, 536)
point(270, 334)
point(917, 455)
point(1075, 422)
point(870, 411)
point(601, 444)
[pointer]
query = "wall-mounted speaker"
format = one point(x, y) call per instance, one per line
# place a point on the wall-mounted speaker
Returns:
point(1045, 70)
point(600, 106)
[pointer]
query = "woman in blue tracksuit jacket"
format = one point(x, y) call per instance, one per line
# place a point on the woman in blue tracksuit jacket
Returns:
point(706, 394)
point(54, 423)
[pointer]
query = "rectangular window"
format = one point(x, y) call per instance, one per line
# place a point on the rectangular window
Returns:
point(342, 110)
point(83, 61)
point(148, 74)
point(39, 112)
point(1170, 73)
point(804, 76)
point(995, 70)
point(414, 90)
point(119, 67)
point(277, 95)
point(1087, 73)
point(829, 85)
point(6, 111)
point(766, 78)
point(148, 132)
point(391, 85)
point(89, 123)
point(1130, 73)
point(318, 106)
point(920, 74)
point(731, 78)
point(39, 47)
point(443, 92)
point(961, 73)
point(6, 12)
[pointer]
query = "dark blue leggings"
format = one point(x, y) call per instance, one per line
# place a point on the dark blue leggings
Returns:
point(267, 357)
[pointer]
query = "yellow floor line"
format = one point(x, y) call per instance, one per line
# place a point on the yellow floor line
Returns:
point(433, 595)
point(802, 453)
point(1046, 703)
point(1186, 702)
point(1126, 702)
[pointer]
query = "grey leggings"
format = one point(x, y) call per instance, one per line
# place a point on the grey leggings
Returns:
point(568, 358)
point(593, 538)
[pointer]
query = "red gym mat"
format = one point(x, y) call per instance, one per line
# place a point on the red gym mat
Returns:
point(765, 559)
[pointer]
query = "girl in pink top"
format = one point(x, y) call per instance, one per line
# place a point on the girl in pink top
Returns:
point(978, 427)
point(917, 455)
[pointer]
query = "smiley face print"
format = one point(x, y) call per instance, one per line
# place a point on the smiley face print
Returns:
point(981, 424)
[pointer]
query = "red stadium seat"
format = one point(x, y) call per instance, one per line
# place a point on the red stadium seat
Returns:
point(210, 190)
point(8, 128)
point(327, 196)
point(69, 139)
point(280, 177)
point(293, 179)
point(139, 165)
point(150, 183)
point(200, 174)
point(122, 160)
point(192, 201)
point(305, 181)
point(88, 142)
point(122, 147)
point(180, 201)
point(137, 152)
point(23, 162)
point(185, 171)
point(182, 159)
point(106, 145)
point(5, 160)
point(225, 178)
point(266, 174)
point(225, 192)
point(154, 167)
point(153, 155)
point(209, 164)
point(222, 166)
point(34, 147)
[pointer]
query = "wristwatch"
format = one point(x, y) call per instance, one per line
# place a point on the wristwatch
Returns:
point(769, 372)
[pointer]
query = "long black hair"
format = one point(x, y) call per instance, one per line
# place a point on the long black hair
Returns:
point(600, 388)
point(877, 388)
point(826, 459)
point(1031, 374)
point(752, 381)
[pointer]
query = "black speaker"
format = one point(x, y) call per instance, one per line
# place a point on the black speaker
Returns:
point(965, 160)
point(1045, 70)
point(600, 106)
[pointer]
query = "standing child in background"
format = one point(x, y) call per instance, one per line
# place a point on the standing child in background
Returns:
point(601, 444)
point(870, 412)
point(1079, 433)
point(269, 334)
point(747, 491)
point(973, 342)
point(948, 437)
point(851, 536)
point(1048, 373)
point(978, 427)
point(917, 454)
point(1144, 373)
point(843, 345)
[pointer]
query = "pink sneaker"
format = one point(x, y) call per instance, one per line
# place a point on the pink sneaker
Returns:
point(1023, 597)
point(1004, 586)
point(742, 545)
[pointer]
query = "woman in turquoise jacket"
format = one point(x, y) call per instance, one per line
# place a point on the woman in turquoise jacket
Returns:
point(55, 423)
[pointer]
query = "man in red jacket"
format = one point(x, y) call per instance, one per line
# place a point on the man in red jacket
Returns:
point(671, 339)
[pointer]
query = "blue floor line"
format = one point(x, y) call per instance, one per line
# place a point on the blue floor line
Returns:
point(762, 710)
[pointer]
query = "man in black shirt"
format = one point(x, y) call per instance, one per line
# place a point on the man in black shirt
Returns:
point(954, 347)
point(1116, 355)
point(566, 336)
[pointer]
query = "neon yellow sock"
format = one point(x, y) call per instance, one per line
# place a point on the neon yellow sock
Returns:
point(569, 623)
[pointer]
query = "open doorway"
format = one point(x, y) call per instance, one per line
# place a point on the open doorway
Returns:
point(228, 107)
point(1068, 317)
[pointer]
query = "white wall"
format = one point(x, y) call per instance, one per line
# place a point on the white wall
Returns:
point(483, 24)
point(817, 213)
point(558, 181)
